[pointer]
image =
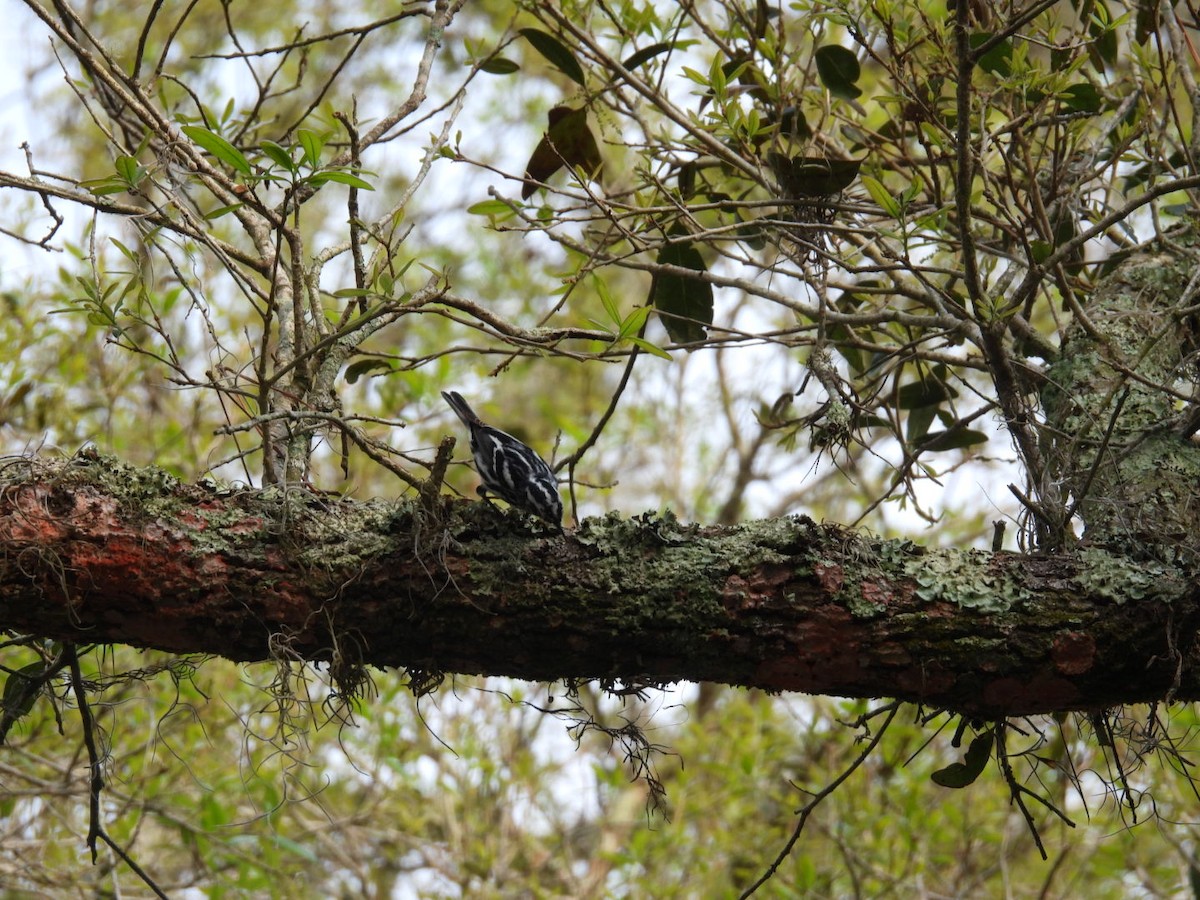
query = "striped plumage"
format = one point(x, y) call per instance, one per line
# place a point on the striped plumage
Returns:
point(509, 468)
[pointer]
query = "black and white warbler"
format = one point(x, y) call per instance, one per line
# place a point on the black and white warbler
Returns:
point(508, 468)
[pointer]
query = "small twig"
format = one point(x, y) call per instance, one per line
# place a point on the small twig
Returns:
point(808, 808)
point(360, 268)
point(998, 535)
point(432, 485)
point(571, 461)
point(96, 782)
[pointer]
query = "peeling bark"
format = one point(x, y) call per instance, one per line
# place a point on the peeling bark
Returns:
point(99, 552)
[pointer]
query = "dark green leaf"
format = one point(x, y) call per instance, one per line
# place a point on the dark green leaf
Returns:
point(685, 305)
point(568, 139)
point(1103, 48)
point(953, 439)
point(929, 391)
point(1147, 24)
point(1082, 97)
point(751, 234)
point(838, 69)
point(687, 180)
point(646, 54)
point(916, 427)
point(840, 336)
point(357, 370)
point(218, 147)
point(998, 60)
point(961, 774)
point(555, 52)
point(1060, 58)
point(793, 124)
point(498, 65)
point(1065, 230)
point(813, 176)
point(21, 690)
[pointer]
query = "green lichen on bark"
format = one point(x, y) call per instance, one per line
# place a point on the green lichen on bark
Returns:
point(963, 577)
point(1111, 433)
point(1121, 580)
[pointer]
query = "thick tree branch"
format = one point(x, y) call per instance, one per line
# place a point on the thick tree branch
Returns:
point(102, 552)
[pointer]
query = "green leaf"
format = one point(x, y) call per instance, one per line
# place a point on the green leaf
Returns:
point(685, 305)
point(295, 847)
point(278, 154)
point(568, 138)
point(103, 187)
point(643, 56)
point(498, 65)
point(218, 147)
point(130, 171)
point(313, 144)
point(648, 347)
point(633, 323)
point(961, 774)
point(221, 211)
point(340, 177)
point(125, 251)
point(497, 208)
point(606, 300)
point(1065, 230)
point(555, 52)
point(887, 202)
point(838, 69)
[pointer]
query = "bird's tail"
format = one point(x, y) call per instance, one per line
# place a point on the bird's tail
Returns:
point(461, 408)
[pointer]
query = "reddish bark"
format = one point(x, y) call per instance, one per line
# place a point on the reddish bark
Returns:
point(778, 605)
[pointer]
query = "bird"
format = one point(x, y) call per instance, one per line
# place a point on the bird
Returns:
point(509, 468)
